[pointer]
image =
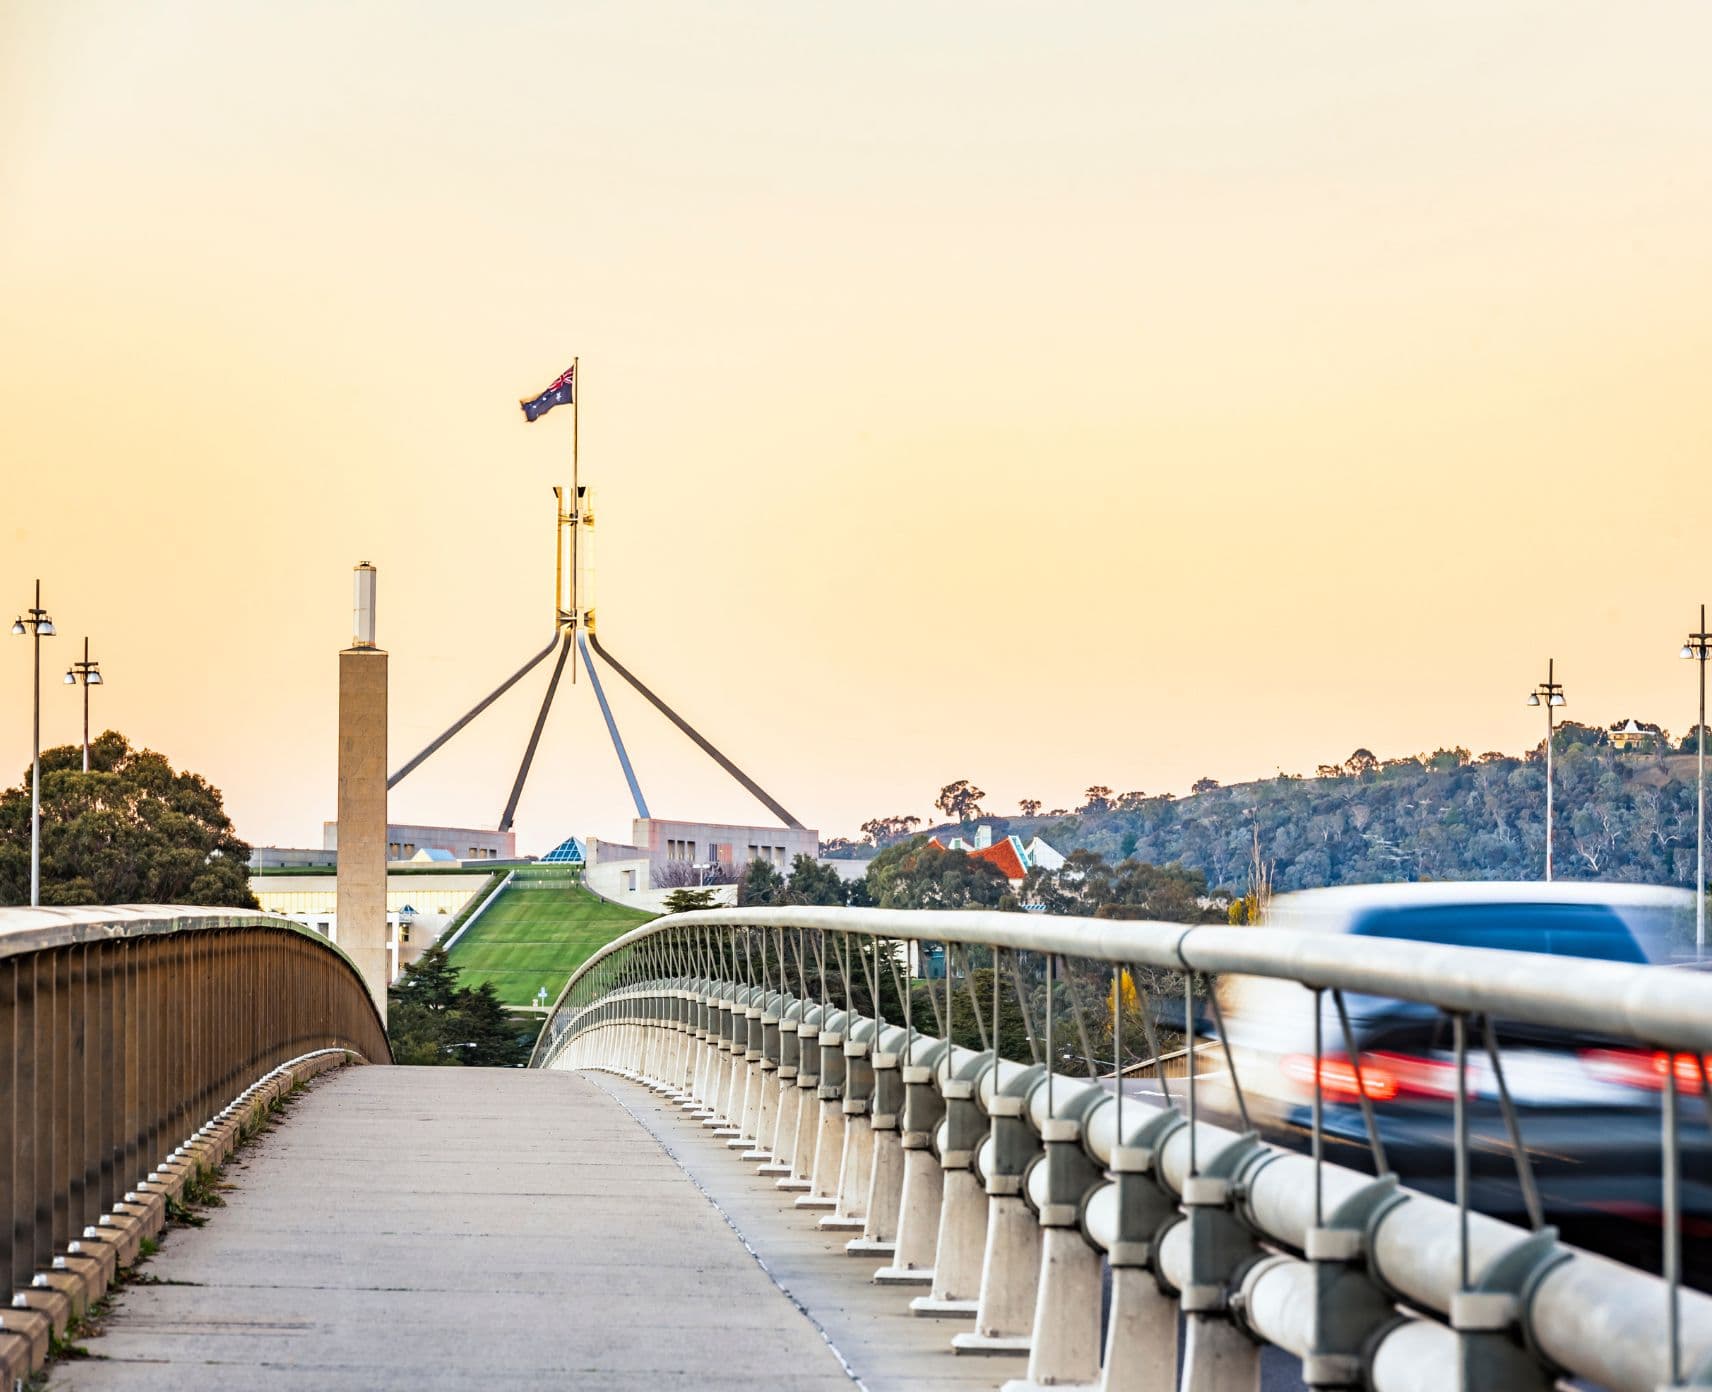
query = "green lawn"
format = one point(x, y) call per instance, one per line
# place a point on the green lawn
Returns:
point(532, 938)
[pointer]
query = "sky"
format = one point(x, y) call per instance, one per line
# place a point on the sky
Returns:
point(1048, 395)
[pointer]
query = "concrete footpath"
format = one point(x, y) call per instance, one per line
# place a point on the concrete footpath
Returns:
point(885, 1345)
point(429, 1228)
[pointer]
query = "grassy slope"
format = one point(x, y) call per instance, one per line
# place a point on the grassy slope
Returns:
point(532, 938)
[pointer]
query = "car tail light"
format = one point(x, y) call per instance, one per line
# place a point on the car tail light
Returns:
point(1384, 1076)
point(1337, 1077)
point(1647, 1069)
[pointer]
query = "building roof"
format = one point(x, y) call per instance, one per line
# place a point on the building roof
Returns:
point(1042, 856)
point(1008, 855)
point(435, 854)
point(567, 852)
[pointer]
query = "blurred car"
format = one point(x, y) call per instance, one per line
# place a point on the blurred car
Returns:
point(1588, 1107)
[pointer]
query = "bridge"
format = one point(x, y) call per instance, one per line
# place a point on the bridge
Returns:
point(820, 1146)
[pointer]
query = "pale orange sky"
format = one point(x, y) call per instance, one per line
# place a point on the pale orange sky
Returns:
point(1045, 395)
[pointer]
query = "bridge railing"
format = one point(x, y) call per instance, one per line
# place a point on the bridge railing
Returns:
point(1007, 1189)
point(124, 1032)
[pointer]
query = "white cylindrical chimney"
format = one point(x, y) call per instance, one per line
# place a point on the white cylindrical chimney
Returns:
point(365, 606)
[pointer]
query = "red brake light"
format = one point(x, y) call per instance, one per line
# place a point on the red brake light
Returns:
point(1337, 1077)
point(1384, 1076)
point(1646, 1069)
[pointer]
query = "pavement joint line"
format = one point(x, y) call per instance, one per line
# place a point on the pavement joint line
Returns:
point(749, 1247)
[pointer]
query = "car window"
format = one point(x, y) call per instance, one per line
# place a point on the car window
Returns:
point(1562, 930)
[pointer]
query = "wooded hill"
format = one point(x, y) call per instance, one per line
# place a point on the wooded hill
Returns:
point(1621, 815)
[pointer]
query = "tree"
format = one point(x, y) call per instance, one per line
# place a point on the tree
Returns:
point(760, 884)
point(689, 900)
point(1088, 885)
point(432, 1021)
point(686, 874)
point(813, 883)
point(920, 875)
point(1096, 799)
point(960, 801)
point(1204, 785)
point(881, 832)
point(130, 831)
point(1360, 763)
point(1029, 807)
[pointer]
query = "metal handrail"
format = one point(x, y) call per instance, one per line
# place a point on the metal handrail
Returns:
point(1672, 1009)
point(124, 1028)
point(39, 929)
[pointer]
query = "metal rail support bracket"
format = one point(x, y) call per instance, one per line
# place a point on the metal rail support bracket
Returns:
point(1144, 1206)
point(924, 1106)
point(1494, 1345)
point(1220, 1244)
point(1071, 1175)
point(888, 1101)
point(1015, 1146)
point(965, 1124)
point(1350, 1306)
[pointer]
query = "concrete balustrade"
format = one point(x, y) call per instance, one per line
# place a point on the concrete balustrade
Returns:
point(857, 1146)
point(1010, 1194)
point(961, 1239)
point(922, 1185)
point(884, 1148)
point(823, 1172)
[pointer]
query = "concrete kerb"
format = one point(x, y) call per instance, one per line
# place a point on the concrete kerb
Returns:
point(56, 1299)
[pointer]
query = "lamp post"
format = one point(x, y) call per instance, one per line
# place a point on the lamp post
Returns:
point(1698, 647)
point(86, 673)
point(1549, 694)
point(39, 626)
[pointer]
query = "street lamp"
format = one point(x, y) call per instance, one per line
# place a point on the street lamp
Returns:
point(1549, 694)
point(88, 674)
point(1698, 646)
point(39, 626)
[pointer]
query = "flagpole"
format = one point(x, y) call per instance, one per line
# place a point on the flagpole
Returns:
point(576, 504)
point(558, 557)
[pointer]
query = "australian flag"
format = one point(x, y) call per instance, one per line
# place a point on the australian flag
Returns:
point(562, 393)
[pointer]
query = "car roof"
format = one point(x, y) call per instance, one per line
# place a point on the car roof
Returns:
point(1336, 908)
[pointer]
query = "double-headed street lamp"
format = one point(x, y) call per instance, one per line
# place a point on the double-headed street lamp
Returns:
point(1698, 647)
point(1549, 694)
point(39, 626)
point(88, 673)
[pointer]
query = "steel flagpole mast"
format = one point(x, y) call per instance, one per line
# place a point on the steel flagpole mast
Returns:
point(576, 503)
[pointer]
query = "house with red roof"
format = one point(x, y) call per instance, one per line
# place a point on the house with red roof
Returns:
point(1012, 858)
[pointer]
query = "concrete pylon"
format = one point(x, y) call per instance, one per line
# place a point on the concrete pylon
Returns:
point(362, 796)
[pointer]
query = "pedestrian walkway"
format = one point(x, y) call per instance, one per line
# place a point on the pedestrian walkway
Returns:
point(886, 1347)
point(429, 1228)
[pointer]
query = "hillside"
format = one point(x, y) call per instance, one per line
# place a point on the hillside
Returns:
point(1620, 816)
point(540, 930)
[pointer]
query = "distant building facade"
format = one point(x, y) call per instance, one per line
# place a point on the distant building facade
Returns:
point(419, 906)
point(719, 844)
point(460, 843)
point(1635, 734)
point(662, 854)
